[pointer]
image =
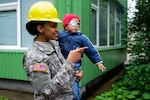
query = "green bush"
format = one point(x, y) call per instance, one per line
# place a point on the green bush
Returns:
point(137, 37)
point(3, 98)
point(134, 84)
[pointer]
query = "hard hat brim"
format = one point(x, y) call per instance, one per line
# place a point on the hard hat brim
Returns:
point(56, 20)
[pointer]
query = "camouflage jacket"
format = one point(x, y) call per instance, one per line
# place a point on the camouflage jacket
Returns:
point(47, 70)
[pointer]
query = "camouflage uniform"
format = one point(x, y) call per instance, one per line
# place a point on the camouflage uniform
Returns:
point(52, 81)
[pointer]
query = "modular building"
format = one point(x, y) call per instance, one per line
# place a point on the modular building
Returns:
point(101, 21)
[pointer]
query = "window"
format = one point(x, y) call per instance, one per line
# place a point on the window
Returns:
point(94, 22)
point(111, 24)
point(94, 35)
point(103, 23)
point(9, 30)
point(118, 27)
point(106, 24)
point(13, 15)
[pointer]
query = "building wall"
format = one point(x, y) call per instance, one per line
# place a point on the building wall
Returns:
point(11, 58)
point(112, 56)
point(11, 65)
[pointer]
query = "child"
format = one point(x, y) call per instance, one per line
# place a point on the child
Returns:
point(70, 39)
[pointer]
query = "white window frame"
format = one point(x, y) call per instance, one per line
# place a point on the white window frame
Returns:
point(108, 22)
point(8, 7)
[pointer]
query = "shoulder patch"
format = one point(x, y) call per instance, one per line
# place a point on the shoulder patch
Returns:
point(39, 67)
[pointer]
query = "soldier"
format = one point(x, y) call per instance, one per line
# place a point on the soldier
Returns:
point(47, 70)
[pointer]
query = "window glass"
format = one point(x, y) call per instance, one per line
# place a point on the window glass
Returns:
point(93, 27)
point(119, 14)
point(118, 26)
point(8, 28)
point(7, 1)
point(94, 2)
point(103, 23)
point(118, 33)
point(111, 24)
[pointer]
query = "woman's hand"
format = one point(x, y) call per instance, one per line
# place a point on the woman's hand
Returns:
point(75, 55)
point(78, 75)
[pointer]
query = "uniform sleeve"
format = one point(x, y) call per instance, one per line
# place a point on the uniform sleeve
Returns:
point(42, 81)
point(91, 52)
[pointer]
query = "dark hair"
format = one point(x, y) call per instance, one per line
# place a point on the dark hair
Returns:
point(32, 26)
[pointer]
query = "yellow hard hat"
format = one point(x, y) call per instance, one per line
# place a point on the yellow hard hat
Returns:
point(43, 11)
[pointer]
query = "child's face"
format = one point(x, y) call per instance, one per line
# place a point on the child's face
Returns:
point(73, 25)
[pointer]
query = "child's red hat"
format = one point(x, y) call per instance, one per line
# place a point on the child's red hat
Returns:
point(67, 18)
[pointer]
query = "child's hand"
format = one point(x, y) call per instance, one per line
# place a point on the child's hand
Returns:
point(102, 67)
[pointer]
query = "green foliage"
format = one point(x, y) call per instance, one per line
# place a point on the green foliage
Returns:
point(134, 84)
point(138, 35)
point(138, 48)
point(3, 98)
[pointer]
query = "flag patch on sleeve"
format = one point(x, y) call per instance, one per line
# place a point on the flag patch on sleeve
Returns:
point(39, 67)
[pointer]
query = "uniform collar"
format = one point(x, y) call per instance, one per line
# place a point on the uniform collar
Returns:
point(46, 47)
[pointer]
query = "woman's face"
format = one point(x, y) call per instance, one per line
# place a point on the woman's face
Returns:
point(48, 31)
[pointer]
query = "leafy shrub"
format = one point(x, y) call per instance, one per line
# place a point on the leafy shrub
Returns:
point(3, 98)
point(134, 84)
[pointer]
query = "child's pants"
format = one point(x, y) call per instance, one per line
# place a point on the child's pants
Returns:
point(76, 90)
point(76, 87)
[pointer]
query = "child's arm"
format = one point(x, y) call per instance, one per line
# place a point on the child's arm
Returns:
point(92, 53)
